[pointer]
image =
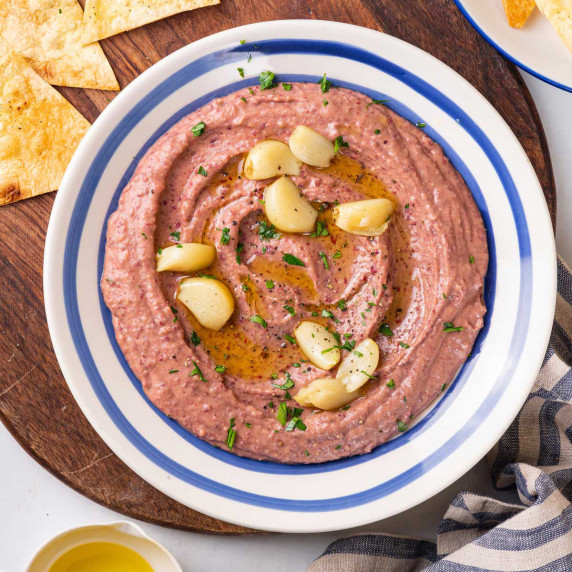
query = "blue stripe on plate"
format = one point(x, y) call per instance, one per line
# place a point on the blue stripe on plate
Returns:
point(145, 106)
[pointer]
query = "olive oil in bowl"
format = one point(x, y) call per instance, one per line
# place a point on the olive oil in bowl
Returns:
point(99, 557)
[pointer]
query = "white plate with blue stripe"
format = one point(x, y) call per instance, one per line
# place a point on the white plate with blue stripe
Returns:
point(486, 394)
point(535, 48)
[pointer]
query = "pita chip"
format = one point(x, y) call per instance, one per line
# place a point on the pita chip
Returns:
point(47, 33)
point(39, 131)
point(518, 11)
point(104, 18)
point(559, 13)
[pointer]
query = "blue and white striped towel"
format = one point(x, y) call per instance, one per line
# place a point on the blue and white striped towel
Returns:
point(480, 534)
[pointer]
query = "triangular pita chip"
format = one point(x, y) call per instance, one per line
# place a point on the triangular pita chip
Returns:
point(559, 13)
point(48, 34)
point(518, 11)
point(39, 131)
point(104, 18)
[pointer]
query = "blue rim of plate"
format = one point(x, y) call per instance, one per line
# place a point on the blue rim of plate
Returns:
point(522, 66)
point(181, 77)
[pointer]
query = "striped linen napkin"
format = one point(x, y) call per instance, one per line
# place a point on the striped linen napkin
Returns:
point(480, 534)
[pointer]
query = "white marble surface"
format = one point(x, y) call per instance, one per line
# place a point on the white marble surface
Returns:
point(34, 505)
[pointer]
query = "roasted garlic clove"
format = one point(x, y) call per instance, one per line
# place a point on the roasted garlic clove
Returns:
point(185, 257)
point(325, 393)
point(311, 147)
point(317, 344)
point(209, 300)
point(358, 367)
point(270, 159)
point(366, 218)
point(287, 208)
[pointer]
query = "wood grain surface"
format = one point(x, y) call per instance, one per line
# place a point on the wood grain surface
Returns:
point(35, 402)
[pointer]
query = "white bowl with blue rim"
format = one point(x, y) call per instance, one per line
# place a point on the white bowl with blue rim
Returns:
point(489, 389)
point(536, 47)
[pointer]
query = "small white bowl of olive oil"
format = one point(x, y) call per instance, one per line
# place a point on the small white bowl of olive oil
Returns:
point(114, 547)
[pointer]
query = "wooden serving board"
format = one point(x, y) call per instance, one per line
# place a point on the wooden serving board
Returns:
point(35, 402)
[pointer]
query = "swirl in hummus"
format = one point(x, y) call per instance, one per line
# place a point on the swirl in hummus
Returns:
point(416, 290)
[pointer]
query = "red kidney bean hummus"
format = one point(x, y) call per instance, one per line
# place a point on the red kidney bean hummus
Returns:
point(416, 289)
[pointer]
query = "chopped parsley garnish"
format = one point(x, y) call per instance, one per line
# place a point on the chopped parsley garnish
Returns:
point(210, 276)
point(197, 371)
point(325, 84)
point(239, 249)
point(444, 296)
point(179, 246)
point(315, 314)
point(290, 338)
point(384, 286)
point(245, 288)
point(327, 314)
point(287, 86)
point(248, 425)
point(296, 365)
point(321, 229)
point(401, 426)
point(390, 384)
point(144, 235)
point(368, 375)
point(198, 129)
point(293, 260)
point(173, 371)
point(266, 80)
point(195, 340)
point(307, 453)
point(338, 447)
point(346, 407)
point(290, 310)
point(295, 423)
point(342, 304)
point(385, 330)
point(159, 251)
point(377, 131)
point(449, 327)
point(407, 206)
point(404, 345)
point(288, 384)
point(267, 231)
point(202, 171)
point(269, 284)
point(225, 236)
point(358, 354)
point(443, 387)
point(243, 99)
point(377, 101)
point(471, 259)
point(249, 58)
point(322, 255)
point(242, 42)
point(325, 102)
point(258, 320)
point(337, 254)
point(220, 368)
point(339, 143)
point(240, 71)
point(420, 124)
point(282, 413)
point(176, 235)
point(231, 434)
point(271, 404)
